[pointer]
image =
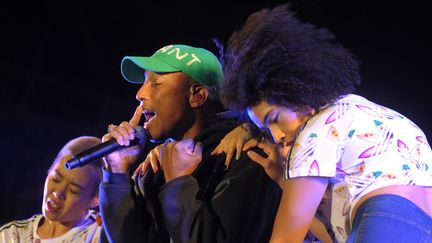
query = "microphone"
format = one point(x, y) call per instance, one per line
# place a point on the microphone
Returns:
point(103, 149)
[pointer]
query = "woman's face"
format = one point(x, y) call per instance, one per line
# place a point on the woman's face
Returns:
point(69, 194)
point(283, 123)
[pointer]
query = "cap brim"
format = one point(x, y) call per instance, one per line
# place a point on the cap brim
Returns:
point(132, 68)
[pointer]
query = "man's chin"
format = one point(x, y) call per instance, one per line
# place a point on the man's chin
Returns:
point(155, 137)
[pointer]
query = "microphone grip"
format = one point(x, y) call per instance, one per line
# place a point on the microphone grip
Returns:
point(104, 149)
point(92, 154)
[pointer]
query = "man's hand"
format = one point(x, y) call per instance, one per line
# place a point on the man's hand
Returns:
point(119, 161)
point(180, 158)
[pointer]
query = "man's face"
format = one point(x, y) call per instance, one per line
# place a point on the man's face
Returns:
point(165, 102)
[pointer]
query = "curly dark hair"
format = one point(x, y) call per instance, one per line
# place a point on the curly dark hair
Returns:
point(277, 58)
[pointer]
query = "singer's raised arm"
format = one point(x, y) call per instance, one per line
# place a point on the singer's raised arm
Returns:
point(125, 212)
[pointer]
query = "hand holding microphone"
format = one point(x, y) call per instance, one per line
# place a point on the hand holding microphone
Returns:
point(117, 146)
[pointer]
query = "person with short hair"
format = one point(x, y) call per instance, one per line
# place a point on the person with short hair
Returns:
point(69, 203)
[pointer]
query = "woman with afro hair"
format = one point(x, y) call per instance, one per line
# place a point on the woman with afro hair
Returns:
point(295, 80)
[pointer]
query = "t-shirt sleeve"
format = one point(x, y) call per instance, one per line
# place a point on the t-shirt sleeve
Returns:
point(313, 155)
point(319, 146)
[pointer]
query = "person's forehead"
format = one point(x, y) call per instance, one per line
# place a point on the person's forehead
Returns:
point(149, 73)
point(258, 112)
point(82, 174)
point(63, 157)
point(174, 78)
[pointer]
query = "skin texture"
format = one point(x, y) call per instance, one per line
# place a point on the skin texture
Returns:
point(275, 152)
point(232, 143)
point(283, 123)
point(68, 195)
point(272, 163)
point(300, 66)
point(301, 196)
point(168, 96)
point(177, 102)
point(184, 150)
point(297, 208)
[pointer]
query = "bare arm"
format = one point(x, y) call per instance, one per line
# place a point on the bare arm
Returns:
point(300, 200)
point(319, 230)
point(273, 167)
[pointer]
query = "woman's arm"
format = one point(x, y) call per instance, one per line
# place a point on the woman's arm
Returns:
point(300, 200)
point(319, 230)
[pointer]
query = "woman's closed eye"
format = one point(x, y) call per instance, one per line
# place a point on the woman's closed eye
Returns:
point(274, 118)
point(76, 188)
point(271, 118)
point(75, 191)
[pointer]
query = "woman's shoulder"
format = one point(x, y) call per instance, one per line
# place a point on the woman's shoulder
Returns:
point(21, 230)
point(337, 115)
point(20, 223)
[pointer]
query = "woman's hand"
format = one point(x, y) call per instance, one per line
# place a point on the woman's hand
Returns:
point(152, 159)
point(176, 159)
point(273, 164)
point(233, 142)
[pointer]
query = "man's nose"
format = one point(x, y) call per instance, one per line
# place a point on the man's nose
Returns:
point(143, 92)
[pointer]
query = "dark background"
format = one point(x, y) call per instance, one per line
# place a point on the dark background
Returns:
point(60, 76)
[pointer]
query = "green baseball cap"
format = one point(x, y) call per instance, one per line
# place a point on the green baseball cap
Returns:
point(198, 63)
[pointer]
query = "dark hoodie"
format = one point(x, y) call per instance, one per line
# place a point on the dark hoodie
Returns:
point(212, 205)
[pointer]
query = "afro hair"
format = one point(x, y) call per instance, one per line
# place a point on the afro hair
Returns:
point(277, 58)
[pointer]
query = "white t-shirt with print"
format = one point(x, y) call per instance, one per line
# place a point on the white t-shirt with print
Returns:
point(25, 231)
point(361, 146)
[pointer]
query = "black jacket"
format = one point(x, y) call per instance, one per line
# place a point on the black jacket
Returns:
point(212, 205)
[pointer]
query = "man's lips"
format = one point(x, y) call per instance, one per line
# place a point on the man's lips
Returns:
point(149, 116)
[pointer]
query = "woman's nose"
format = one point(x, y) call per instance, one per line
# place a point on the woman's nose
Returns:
point(59, 195)
point(278, 137)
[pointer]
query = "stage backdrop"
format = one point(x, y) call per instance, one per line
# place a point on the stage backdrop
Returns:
point(60, 76)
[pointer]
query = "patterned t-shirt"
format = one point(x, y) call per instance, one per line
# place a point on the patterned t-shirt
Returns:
point(25, 231)
point(361, 146)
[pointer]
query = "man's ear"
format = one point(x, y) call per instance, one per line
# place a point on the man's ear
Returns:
point(198, 95)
